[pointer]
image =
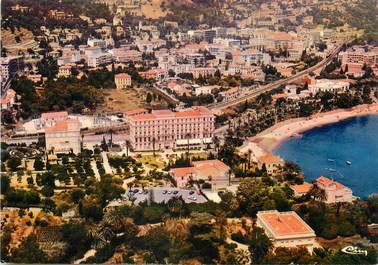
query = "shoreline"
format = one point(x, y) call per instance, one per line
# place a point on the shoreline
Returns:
point(265, 142)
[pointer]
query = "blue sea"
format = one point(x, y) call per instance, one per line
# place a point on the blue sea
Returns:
point(325, 150)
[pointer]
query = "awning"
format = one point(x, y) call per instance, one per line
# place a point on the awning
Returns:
point(207, 140)
point(191, 141)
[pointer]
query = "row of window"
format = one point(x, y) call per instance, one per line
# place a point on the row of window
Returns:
point(175, 121)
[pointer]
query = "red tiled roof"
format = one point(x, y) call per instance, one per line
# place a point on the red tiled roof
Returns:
point(122, 75)
point(284, 224)
point(61, 126)
point(52, 115)
point(324, 180)
point(302, 188)
point(192, 112)
point(270, 159)
point(182, 171)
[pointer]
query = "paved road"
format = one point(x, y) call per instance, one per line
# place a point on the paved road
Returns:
point(218, 107)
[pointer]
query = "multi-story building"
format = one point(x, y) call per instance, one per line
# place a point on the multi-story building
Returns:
point(286, 229)
point(65, 71)
point(328, 85)
point(204, 90)
point(63, 136)
point(148, 46)
point(253, 56)
point(59, 15)
point(157, 74)
point(122, 80)
point(96, 43)
point(334, 191)
point(167, 129)
point(99, 59)
point(9, 66)
point(360, 55)
point(8, 99)
point(203, 71)
point(124, 55)
point(253, 72)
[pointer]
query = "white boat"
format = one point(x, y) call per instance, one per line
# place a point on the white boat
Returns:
point(331, 160)
point(348, 163)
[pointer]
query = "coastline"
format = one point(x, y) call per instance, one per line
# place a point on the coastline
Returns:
point(265, 142)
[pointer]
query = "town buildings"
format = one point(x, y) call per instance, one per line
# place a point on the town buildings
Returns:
point(360, 55)
point(167, 129)
point(286, 229)
point(334, 191)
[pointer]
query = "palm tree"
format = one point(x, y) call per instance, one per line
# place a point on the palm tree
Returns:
point(153, 145)
point(216, 142)
point(318, 193)
point(188, 137)
point(221, 222)
point(249, 158)
point(229, 177)
point(127, 147)
point(111, 137)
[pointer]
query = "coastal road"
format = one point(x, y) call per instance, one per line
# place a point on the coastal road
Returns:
point(219, 107)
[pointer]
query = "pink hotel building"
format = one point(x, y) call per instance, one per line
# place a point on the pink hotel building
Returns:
point(168, 129)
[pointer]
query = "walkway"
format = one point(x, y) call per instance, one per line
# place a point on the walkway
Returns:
point(105, 162)
point(95, 170)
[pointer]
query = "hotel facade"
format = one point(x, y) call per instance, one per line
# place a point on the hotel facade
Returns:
point(167, 129)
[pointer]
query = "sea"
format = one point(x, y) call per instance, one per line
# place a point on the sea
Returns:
point(324, 151)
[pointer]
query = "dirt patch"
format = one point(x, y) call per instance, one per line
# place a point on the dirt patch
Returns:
point(338, 242)
point(153, 9)
point(8, 38)
point(123, 100)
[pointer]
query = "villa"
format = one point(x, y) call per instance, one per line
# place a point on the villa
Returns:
point(286, 229)
point(272, 163)
point(301, 189)
point(122, 80)
point(335, 191)
point(213, 171)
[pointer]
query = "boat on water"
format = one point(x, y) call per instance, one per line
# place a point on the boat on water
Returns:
point(330, 169)
point(331, 160)
point(348, 162)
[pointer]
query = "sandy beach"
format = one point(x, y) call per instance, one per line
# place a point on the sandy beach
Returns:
point(266, 141)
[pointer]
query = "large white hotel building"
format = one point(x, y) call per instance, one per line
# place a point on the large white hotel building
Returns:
point(162, 129)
